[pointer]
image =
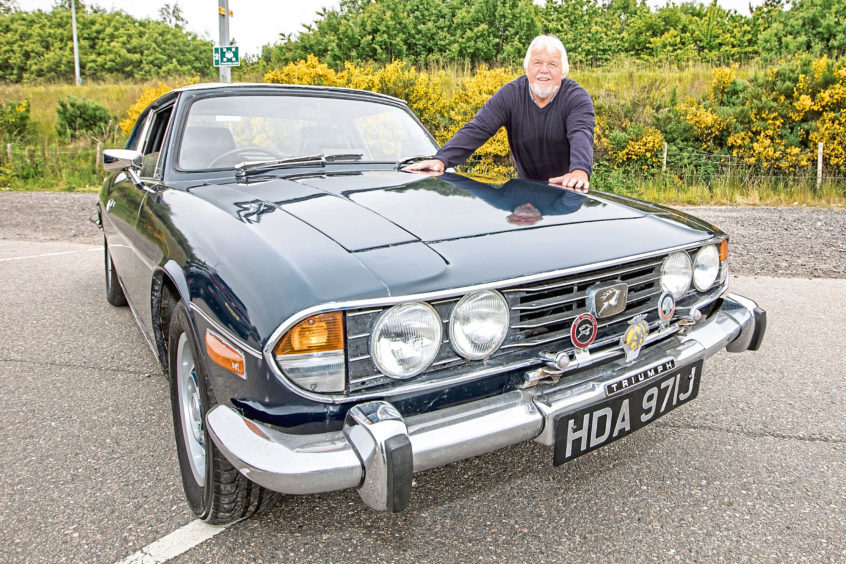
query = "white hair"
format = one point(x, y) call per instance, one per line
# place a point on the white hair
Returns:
point(549, 42)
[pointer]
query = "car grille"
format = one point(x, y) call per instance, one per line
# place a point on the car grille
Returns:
point(541, 315)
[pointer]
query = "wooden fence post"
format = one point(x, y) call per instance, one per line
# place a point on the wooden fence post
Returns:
point(97, 156)
point(664, 165)
point(9, 153)
point(819, 165)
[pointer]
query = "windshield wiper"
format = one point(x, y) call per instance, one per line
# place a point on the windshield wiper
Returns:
point(245, 168)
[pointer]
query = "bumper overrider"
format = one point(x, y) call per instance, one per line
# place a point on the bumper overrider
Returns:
point(378, 450)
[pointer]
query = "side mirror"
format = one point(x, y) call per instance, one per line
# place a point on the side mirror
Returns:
point(122, 160)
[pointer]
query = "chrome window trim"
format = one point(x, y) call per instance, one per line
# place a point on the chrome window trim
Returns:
point(142, 137)
point(387, 301)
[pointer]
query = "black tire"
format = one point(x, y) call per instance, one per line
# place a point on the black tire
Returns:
point(114, 293)
point(216, 491)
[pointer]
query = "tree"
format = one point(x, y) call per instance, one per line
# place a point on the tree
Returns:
point(488, 31)
point(171, 15)
point(38, 46)
point(8, 6)
point(809, 26)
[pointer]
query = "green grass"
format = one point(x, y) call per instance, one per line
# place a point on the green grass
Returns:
point(115, 96)
point(731, 192)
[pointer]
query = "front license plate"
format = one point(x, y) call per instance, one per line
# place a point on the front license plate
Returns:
point(582, 431)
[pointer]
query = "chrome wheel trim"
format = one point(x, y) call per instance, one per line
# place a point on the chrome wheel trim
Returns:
point(191, 410)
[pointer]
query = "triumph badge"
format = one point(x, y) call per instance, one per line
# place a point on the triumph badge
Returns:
point(634, 337)
point(666, 308)
point(583, 331)
point(606, 300)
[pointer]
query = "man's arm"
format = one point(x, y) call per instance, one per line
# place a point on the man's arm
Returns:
point(473, 135)
point(580, 126)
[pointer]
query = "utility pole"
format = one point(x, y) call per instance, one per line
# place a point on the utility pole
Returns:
point(223, 10)
point(75, 44)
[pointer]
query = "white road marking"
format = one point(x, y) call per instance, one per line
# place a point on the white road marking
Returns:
point(179, 541)
point(51, 254)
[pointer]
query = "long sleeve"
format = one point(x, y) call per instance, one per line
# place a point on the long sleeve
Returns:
point(482, 127)
point(580, 124)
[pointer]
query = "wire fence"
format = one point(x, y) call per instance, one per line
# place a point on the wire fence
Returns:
point(705, 166)
point(48, 166)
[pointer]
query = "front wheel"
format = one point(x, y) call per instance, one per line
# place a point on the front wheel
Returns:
point(216, 491)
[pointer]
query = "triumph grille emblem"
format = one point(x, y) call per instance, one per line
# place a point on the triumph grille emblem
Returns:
point(607, 300)
point(583, 331)
point(634, 337)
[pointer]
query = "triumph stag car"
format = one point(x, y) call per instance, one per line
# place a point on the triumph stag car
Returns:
point(327, 320)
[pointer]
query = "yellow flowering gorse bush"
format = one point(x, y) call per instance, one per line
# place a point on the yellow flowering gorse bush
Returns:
point(827, 104)
point(774, 127)
point(644, 150)
point(147, 97)
point(706, 124)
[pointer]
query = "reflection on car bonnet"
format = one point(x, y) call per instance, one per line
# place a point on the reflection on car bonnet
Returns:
point(546, 199)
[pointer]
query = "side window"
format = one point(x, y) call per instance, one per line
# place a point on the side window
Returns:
point(152, 144)
point(137, 134)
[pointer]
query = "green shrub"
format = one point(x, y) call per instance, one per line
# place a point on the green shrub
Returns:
point(14, 120)
point(80, 118)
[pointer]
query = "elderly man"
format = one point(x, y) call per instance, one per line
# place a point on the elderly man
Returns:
point(548, 117)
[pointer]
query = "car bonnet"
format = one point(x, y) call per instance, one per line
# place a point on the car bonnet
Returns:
point(379, 208)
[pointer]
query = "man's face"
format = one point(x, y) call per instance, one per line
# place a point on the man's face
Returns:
point(544, 72)
point(527, 214)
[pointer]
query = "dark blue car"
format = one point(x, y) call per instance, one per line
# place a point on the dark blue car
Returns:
point(329, 321)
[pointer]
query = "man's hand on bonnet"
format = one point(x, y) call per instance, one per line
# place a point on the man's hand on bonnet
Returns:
point(575, 180)
point(431, 165)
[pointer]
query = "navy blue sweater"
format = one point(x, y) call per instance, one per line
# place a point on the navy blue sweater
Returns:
point(545, 142)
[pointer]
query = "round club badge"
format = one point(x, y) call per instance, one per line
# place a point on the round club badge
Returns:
point(666, 307)
point(583, 330)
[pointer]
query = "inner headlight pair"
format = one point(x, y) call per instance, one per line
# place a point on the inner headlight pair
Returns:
point(406, 338)
point(678, 272)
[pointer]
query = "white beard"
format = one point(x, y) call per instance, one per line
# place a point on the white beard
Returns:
point(543, 93)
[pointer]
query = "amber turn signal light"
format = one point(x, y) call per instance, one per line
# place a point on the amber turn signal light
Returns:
point(224, 354)
point(724, 249)
point(319, 333)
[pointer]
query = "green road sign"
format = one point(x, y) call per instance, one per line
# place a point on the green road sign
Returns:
point(227, 56)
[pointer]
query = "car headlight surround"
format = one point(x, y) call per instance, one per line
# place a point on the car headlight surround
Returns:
point(478, 324)
point(706, 267)
point(312, 354)
point(406, 339)
point(676, 274)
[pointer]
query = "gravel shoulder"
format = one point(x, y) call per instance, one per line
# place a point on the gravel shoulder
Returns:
point(779, 242)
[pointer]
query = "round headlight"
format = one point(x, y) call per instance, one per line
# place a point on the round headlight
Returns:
point(406, 339)
point(676, 273)
point(706, 267)
point(478, 324)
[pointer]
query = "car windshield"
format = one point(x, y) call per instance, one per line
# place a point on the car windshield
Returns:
point(224, 131)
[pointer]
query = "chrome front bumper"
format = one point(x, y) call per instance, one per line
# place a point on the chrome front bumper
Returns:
point(378, 449)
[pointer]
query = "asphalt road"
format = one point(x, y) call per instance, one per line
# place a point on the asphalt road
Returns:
point(753, 470)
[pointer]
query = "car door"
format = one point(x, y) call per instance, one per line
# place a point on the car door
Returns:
point(135, 250)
